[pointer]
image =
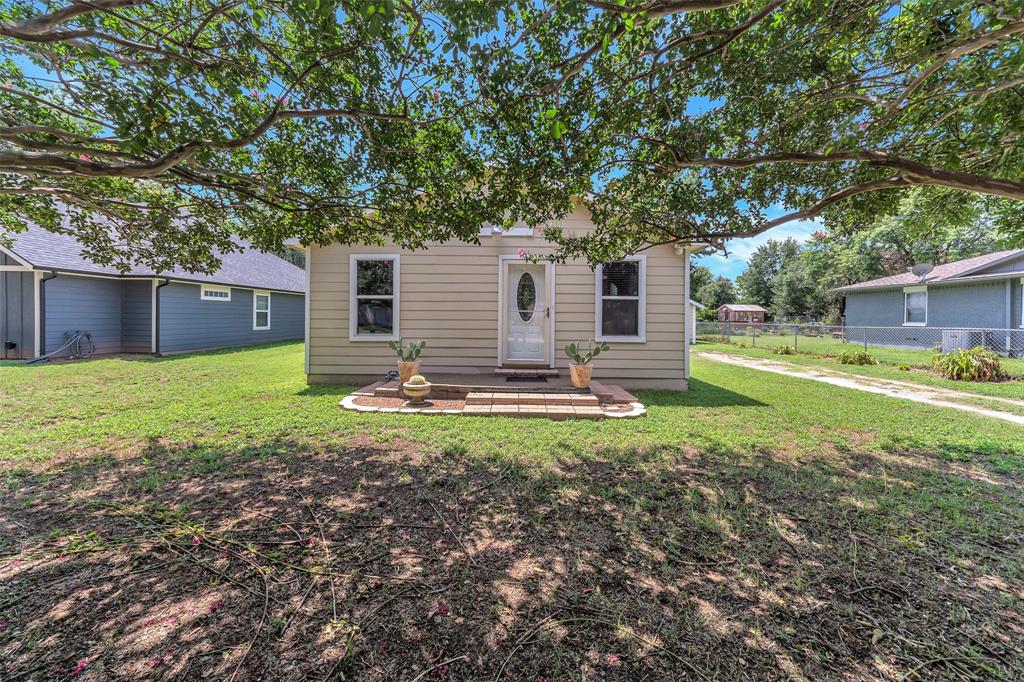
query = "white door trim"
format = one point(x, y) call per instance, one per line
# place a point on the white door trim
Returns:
point(549, 278)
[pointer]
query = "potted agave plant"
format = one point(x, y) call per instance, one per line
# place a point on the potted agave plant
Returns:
point(580, 368)
point(408, 358)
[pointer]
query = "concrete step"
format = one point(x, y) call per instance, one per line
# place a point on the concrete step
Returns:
point(556, 412)
point(504, 398)
point(525, 372)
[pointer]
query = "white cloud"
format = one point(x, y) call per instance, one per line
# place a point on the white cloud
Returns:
point(740, 250)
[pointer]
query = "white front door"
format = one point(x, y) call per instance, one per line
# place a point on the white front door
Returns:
point(526, 312)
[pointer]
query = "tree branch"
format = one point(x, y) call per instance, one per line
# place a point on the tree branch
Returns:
point(663, 8)
point(920, 173)
point(816, 208)
point(955, 52)
point(45, 23)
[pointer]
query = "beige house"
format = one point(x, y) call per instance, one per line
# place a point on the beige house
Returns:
point(487, 306)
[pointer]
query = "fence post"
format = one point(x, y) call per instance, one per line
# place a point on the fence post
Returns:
point(753, 335)
point(865, 339)
point(795, 330)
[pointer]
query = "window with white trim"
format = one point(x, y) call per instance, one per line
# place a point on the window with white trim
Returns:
point(260, 310)
point(373, 297)
point(915, 306)
point(209, 292)
point(620, 309)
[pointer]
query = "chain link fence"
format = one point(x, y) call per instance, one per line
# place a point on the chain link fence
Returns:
point(830, 340)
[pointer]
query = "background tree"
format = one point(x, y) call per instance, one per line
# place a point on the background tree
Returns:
point(700, 275)
point(715, 294)
point(798, 295)
point(757, 283)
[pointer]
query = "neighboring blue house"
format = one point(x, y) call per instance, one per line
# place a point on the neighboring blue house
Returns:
point(47, 289)
point(959, 304)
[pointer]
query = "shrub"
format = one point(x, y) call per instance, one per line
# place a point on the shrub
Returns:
point(714, 338)
point(784, 349)
point(904, 368)
point(976, 364)
point(856, 357)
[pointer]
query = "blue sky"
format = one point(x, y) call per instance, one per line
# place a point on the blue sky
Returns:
point(740, 249)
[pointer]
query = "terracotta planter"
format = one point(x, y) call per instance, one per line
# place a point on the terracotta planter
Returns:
point(416, 393)
point(407, 370)
point(580, 375)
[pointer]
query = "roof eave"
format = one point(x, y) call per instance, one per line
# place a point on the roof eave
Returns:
point(169, 278)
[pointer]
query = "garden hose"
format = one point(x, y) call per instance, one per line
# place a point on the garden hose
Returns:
point(79, 344)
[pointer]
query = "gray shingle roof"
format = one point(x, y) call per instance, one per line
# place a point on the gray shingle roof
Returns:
point(247, 268)
point(938, 274)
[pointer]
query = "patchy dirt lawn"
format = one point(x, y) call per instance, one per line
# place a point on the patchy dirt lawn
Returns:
point(213, 518)
point(378, 563)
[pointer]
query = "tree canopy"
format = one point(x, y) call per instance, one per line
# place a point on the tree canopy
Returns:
point(168, 126)
point(714, 295)
point(758, 282)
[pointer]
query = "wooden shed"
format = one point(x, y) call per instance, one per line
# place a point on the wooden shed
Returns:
point(741, 312)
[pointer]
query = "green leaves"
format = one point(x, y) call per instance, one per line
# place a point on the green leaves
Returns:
point(673, 124)
point(555, 127)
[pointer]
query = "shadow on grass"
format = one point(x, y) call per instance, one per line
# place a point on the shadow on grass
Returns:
point(367, 561)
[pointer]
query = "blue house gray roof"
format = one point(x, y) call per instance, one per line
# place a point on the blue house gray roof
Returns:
point(941, 273)
point(247, 267)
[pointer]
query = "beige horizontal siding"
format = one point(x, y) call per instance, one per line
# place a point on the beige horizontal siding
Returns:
point(449, 297)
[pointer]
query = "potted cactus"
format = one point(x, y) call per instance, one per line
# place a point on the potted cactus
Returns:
point(408, 358)
point(580, 368)
point(417, 388)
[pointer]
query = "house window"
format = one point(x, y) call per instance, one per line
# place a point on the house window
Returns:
point(209, 292)
point(621, 300)
point(260, 310)
point(915, 306)
point(373, 297)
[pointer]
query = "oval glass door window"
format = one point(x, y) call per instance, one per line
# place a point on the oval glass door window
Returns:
point(526, 297)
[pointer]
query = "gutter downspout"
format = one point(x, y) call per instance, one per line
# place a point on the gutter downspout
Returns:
point(156, 316)
point(42, 311)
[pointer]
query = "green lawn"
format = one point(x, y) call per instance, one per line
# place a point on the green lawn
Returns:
point(201, 515)
point(829, 346)
point(919, 364)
